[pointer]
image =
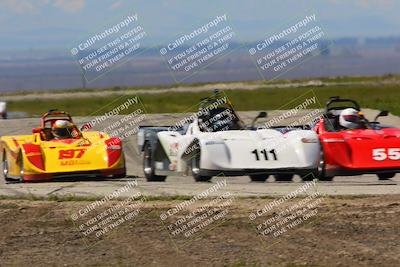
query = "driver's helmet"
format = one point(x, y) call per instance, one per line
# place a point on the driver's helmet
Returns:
point(62, 129)
point(350, 118)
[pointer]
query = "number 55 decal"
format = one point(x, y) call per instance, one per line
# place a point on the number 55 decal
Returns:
point(382, 154)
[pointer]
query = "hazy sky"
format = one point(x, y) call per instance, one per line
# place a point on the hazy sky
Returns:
point(60, 23)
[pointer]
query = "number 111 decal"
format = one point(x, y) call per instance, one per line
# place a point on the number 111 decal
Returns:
point(264, 152)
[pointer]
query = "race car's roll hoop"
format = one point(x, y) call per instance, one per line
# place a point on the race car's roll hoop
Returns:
point(336, 99)
point(52, 115)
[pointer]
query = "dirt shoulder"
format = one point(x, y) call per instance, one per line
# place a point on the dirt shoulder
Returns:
point(342, 232)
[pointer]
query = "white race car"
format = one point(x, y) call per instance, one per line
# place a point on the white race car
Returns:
point(3, 110)
point(216, 142)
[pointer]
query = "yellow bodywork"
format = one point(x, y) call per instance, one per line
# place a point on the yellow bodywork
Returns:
point(89, 153)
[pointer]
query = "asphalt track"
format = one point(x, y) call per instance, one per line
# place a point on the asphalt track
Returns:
point(185, 185)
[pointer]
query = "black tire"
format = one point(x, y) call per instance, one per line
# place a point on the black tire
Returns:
point(386, 176)
point(148, 165)
point(195, 169)
point(259, 177)
point(321, 173)
point(308, 177)
point(5, 168)
point(21, 173)
point(284, 177)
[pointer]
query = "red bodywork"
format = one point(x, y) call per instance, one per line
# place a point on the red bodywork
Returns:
point(353, 152)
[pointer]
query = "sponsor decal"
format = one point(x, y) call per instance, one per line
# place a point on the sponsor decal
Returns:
point(74, 162)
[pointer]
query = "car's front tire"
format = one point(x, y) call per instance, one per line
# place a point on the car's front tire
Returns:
point(5, 168)
point(196, 171)
point(308, 177)
point(22, 171)
point(321, 173)
point(386, 176)
point(149, 165)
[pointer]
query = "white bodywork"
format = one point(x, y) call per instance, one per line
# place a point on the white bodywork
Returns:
point(3, 107)
point(241, 150)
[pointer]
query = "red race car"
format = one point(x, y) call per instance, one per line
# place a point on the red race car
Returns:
point(352, 145)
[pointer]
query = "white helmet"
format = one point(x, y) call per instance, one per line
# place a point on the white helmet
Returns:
point(349, 118)
point(62, 129)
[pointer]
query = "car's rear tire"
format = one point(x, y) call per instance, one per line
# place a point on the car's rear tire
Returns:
point(308, 177)
point(321, 172)
point(5, 168)
point(386, 176)
point(195, 169)
point(259, 177)
point(148, 165)
point(284, 177)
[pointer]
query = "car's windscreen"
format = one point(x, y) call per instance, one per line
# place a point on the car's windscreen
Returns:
point(218, 119)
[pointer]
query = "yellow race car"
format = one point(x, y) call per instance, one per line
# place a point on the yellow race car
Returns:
point(59, 149)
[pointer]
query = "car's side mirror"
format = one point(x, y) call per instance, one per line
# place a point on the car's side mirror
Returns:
point(262, 114)
point(382, 113)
